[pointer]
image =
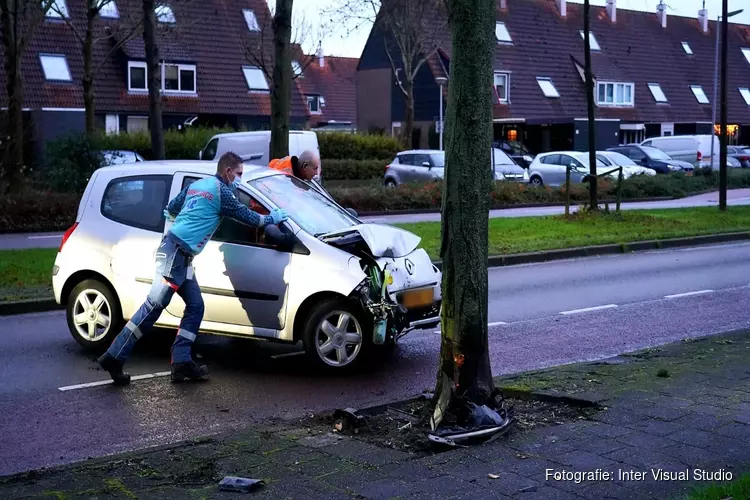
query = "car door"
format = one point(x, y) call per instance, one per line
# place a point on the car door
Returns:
point(547, 166)
point(575, 175)
point(244, 282)
point(422, 168)
point(402, 168)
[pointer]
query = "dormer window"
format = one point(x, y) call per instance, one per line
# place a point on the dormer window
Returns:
point(58, 9)
point(687, 49)
point(251, 20)
point(548, 88)
point(164, 14)
point(501, 33)
point(700, 96)
point(55, 67)
point(592, 40)
point(255, 79)
point(615, 94)
point(746, 52)
point(657, 92)
point(315, 104)
point(108, 9)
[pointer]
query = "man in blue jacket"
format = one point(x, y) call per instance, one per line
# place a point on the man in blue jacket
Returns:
point(197, 212)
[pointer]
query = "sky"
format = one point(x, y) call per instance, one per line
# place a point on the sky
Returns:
point(339, 42)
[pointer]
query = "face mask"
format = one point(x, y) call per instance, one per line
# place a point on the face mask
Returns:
point(236, 182)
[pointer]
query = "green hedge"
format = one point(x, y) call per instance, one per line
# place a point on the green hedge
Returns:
point(178, 145)
point(340, 170)
point(343, 146)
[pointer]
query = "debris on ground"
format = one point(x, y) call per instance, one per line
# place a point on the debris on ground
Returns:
point(240, 484)
point(348, 420)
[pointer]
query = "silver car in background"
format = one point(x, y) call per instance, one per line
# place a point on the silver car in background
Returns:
point(322, 278)
point(548, 169)
point(613, 159)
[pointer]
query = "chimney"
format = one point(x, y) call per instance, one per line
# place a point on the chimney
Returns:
point(703, 19)
point(612, 10)
point(321, 57)
point(661, 13)
point(563, 6)
point(503, 4)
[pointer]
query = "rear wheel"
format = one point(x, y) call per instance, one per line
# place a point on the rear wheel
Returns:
point(536, 181)
point(335, 335)
point(93, 315)
point(390, 183)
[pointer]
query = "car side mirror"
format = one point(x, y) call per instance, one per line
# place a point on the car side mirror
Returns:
point(426, 164)
point(353, 212)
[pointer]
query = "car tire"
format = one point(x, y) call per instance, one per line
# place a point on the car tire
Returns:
point(536, 181)
point(335, 348)
point(390, 183)
point(93, 314)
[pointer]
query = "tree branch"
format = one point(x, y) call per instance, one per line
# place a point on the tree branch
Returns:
point(34, 22)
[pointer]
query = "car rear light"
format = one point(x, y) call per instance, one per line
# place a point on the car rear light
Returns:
point(700, 156)
point(66, 236)
point(743, 158)
point(386, 168)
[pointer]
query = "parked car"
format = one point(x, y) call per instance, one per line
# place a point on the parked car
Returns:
point(120, 156)
point(741, 153)
point(694, 149)
point(424, 165)
point(255, 147)
point(653, 158)
point(334, 283)
point(733, 162)
point(516, 151)
point(548, 169)
point(612, 159)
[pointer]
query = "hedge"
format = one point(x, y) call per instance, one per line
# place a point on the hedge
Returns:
point(343, 146)
point(178, 145)
point(340, 170)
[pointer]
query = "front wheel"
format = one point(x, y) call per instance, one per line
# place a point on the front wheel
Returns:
point(536, 181)
point(335, 335)
point(93, 315)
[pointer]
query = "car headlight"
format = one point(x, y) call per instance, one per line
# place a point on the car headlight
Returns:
point(674, 167)
point(499, 176)
point(526, 175)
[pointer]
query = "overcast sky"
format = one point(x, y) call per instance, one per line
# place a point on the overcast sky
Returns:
point(342, 43)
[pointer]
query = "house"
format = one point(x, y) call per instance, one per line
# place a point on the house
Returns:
point(206, 73)
point(653, 76)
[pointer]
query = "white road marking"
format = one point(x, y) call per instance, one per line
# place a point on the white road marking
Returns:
point(45, 237)
point(588, 309)
point(688, 294)
point(107, 382)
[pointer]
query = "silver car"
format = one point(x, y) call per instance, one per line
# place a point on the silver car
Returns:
point(613, 159)
point(548, 169)
point(334, 284)
point(426, 165)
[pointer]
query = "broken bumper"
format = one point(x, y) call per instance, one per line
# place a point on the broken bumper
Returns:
point(424, 318)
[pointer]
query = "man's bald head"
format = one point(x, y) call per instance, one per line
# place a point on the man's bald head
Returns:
point(308, 163)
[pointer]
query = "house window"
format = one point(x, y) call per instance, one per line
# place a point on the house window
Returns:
point(657, 92)
point(547, 87)
point(296, 69)
point(58, 9)
point(137, 73)
point(164, 14)
point(501, 33)
point(501, 86)
point(615, 94)
point(746, 95)
point(686, 47)
point(108, 9)
point(137, 124)
point(112, 124)
point(699, 94)
point(747, 54)
point(592, 40)
point(251, 20)
point(55, 67)
point(178, 77)
point(314, 103)
point(255, 78)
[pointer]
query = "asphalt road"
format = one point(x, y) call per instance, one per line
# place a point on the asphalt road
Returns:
point(546, 308)
point(734, 197)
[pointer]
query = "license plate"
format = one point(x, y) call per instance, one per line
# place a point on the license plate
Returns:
point(417, 298)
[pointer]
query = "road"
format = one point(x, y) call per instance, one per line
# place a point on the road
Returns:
point(540, 315)
point(734, 197)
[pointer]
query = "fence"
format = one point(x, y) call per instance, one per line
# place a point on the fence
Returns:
point(618, 190)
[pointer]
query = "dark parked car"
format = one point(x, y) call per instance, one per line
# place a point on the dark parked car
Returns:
point(741, 153)
point(517, 152)
point(654, 158)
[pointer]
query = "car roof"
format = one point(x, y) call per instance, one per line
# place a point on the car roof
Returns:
point(170, 167)
point(253, 133)
point(561, 153)
point(420, 151)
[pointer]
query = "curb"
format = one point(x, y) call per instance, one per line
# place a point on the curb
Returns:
point(28, 306)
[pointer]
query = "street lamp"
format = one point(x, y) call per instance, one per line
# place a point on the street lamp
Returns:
point(716, 79)
point(441, 80)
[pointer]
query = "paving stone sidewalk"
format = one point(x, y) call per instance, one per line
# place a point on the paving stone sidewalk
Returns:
point(677, 408)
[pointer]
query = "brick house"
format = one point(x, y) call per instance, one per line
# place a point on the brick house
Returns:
point(653, 76)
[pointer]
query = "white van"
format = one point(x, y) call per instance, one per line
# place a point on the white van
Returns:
point(695, 149)
point(254, 147)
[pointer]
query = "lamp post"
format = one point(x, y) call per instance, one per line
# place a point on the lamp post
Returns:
point(441, 80)
point(724, 111)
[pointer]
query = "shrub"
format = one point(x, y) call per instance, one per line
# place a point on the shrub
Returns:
point(339, 170)
point(69, 163)
point(37, 212)
point(343, 146)
point(178, 145)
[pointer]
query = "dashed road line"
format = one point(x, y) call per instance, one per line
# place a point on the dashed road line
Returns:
point(107, 382)
point(688, 294)
point(588, 309)
point(45, 237)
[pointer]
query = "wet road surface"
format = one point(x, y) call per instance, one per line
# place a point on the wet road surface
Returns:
point(556, 313)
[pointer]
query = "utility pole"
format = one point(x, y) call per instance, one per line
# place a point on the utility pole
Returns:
point(723, 138)
point(593, 198)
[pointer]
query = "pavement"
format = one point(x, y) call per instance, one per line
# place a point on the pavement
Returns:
point(734, 197)
point(667, 420)
point(56, 408)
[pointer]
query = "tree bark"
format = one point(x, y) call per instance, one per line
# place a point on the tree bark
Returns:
point(281, 93)
point(154, 80)
point(593, 195)
point(465, 372)
point(723, 128)
point(88, 69)
point(409, 112)
point(10, 176)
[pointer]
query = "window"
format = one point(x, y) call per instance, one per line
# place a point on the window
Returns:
point(137, 72)
point(55, 67)
point(501, 33)
point(296, 69)
point(137, 124)
point(58, 9)
point(108, 9)
point(686, 47)
point(553, 159)
point(420, 160)
point(547, 87)
point(209, 153)
point(137, 201)
point(746, 52)
point(657, 92)
point(251, 20)
point(501, 86)
point(405, 159)
point(592, 40)
point(699, 94)
point(255, 78)
point(313, 104)
point(112, 124)
point(746, 95)
point(178, 78)
point(615, 94)
point(164, 14)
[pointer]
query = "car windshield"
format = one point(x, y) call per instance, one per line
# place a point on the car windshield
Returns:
point(584, 158)
point(655, 153)
point(620, 159)
point(438, 159)
point(501, 158)
point(306, 206)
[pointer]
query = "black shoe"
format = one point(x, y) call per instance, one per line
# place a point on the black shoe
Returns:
point(188, 371)
point(114, 367)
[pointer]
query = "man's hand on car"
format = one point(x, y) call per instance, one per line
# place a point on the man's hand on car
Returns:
point(279, 215)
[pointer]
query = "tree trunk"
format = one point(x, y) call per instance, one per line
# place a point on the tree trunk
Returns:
point(281, 95)
point(10, 176)
point(154, 80)
point(465, 372)
point(593, 196)
point(409, 113)
point(723, 128)
point(88, 71)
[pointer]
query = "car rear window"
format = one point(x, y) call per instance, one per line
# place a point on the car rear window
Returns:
point(137, 201)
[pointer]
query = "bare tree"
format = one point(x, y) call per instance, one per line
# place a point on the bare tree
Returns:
point(124, 32)
point(281, 85)
point(20, 19)
point(151, 46)
point(408, 29)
